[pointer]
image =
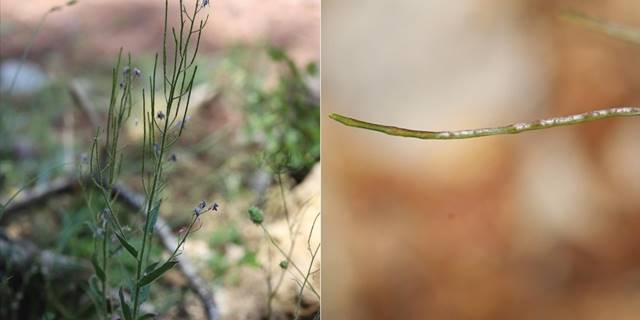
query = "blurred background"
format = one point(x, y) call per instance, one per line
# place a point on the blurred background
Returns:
point(542, 225)
point(256, 97)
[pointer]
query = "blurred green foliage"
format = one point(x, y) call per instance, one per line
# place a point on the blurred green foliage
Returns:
point(27, 145)
point(219, 262)
point(282, 115)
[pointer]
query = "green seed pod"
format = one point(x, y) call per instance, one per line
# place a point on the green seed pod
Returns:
point(256, 215)
point(284, 264)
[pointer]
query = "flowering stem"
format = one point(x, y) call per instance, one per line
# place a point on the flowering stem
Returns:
point(483, 132)
point(184, 238)
point(173, 89)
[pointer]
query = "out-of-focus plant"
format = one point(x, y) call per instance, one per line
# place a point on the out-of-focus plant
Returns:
point(287, 265)
point(287, 117)
point(282, 117)
point(612, 29)
point(282, 125)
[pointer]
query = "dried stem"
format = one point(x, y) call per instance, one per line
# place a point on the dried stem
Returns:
point(483, 132)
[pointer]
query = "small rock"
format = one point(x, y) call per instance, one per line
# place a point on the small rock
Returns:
point(30, 78)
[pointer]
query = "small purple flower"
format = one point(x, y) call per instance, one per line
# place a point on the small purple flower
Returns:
point(160, 115)
point(205, 3)
point(125, 70)
point(173, 158)
point(202, 208)
point(137, 72)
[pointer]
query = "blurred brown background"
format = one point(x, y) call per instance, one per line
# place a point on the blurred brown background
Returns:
point(542, 225)
point(98, 28)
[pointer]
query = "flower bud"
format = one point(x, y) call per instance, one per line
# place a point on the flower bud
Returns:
point(256, 215)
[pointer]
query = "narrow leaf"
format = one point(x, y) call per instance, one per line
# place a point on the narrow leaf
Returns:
point(144, 291)
point(151, 267)
point(94, 286)
point(153, 275)
point(126, 311)
point(96, 266)
point(153, 215)
point(95, 294)
point(144, 294)
point(127, 245)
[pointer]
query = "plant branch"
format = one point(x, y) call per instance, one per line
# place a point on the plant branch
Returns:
point(483, 132)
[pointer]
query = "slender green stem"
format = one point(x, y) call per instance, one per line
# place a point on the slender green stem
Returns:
point(5, 205)
point(154, 188)
point(25, 53)
point(184, 238)
point(284, 254)
point(274, 290)
point(309, 272)
point(305, 282)
point(284, 203)
point(612, 29)
point(35, 33)
point(105, 268)
point(483, 132)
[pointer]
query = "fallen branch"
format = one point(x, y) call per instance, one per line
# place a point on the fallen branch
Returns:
point(81, 99)
point(38, 194)
point(21, 255)
point(475, 133)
